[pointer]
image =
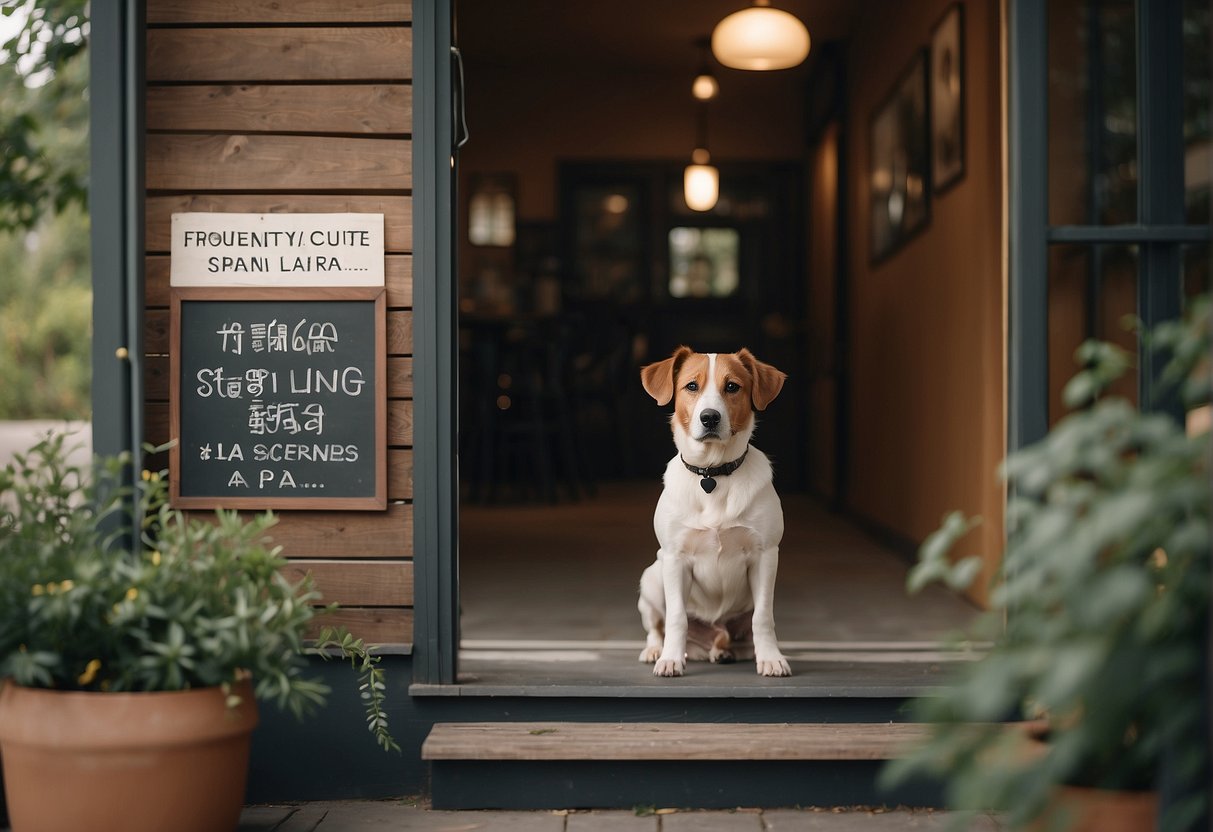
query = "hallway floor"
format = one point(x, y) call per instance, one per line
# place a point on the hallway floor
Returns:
point(555, 587)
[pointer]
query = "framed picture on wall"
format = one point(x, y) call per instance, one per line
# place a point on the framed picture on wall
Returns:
point(898, 160)
point(947, 99)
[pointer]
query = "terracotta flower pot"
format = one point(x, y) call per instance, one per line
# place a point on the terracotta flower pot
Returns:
point(124, 762)
point(1081, 809)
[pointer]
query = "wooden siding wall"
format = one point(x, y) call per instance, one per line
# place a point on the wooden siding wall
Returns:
point(304, 106)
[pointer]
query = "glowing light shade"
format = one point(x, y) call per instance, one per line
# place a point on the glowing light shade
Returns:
point(760, 38)
point(704, 87)
point(700, 182)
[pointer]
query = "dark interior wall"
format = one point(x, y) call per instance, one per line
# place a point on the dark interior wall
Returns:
point(927, 324)
point(531, 118)
point(526, 118)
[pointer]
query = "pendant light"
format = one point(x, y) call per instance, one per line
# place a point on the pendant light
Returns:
point(704, 87)
point(760, 38)
point(701, 180)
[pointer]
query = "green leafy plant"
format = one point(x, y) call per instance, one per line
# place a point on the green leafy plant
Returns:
point(194, 603)
point(1100, 612)
point(43, 110)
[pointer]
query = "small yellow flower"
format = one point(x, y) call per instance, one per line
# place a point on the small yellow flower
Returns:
point(155, 558)
point(90, 672)
point(38, 589)
point(147, 475)
point(132, 594)
point(67, 586)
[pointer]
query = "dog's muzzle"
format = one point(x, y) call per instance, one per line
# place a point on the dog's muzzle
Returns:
point(709, 425)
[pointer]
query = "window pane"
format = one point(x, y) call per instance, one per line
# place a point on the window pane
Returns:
point(1195, 277)
point(1092, 112)
point(1092, 291)
point(704, 262)
point(607, 254)
point(1198, 149)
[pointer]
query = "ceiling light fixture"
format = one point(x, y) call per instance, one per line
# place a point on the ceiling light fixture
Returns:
point(701, 180)
point(704, 87)
point(760, 38)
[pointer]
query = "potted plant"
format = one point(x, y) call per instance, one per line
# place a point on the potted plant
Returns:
point(1099, 617)
point(130, 671)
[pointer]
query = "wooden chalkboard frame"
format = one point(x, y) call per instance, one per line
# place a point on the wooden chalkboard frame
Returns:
point(376, 295)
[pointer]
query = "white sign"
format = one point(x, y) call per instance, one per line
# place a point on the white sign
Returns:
point(211, 249)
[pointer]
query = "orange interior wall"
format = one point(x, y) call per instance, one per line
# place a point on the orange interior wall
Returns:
point(822, 312)
point(927, 343)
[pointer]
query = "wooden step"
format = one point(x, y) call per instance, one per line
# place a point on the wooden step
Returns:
point(703, 741)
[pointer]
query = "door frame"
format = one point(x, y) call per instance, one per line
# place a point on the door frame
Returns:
point(1158, 231)
point(116, 200)
point(435, 348)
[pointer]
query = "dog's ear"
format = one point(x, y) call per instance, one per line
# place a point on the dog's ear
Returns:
point(767, 380)
point(658, 379)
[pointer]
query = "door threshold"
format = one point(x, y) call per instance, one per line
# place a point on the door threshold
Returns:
point(610, 669)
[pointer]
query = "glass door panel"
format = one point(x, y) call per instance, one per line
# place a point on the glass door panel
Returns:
point(1092, 107)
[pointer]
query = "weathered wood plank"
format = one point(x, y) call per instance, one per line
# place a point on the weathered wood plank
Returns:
point(345, 534)
point(291, 108)
point(669, 741)
point(340, 534)
point(399, 474)
point(397, 212)
point(328, 53)
point(156, 378)
point(276, 11)
point(399, 377)
point(397, 278)
point(400, 422)
point(400, 333)
point(276, 163)
point(388, 626)
point(357, 583)
point(156, 331)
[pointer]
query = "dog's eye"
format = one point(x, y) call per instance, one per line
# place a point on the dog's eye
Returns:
point(732, 387)
point(693, 386)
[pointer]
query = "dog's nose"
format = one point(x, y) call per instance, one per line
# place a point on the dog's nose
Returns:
point(710, 419)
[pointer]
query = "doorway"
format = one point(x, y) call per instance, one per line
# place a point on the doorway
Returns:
point(574, 245)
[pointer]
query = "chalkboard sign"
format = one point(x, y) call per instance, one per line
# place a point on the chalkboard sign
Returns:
point(278, 398)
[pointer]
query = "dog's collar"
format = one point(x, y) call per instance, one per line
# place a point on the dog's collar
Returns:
point(708, 475)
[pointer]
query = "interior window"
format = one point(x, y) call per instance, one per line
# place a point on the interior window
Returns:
point(704, 262)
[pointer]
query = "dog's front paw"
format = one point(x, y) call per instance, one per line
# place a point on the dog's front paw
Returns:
point(668, 667)
point(774, 667)
point(650, 654)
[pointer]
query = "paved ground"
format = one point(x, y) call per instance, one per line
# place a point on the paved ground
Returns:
point(399, 815)
point(17, 437)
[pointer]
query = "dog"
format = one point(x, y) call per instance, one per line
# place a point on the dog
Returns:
point(710, 592)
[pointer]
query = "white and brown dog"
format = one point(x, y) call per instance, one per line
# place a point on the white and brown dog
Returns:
point(709, 594)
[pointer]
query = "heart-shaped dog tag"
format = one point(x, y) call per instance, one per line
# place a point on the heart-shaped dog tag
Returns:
point(707, 484)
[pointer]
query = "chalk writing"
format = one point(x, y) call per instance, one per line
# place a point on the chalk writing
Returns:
point(278, 399)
